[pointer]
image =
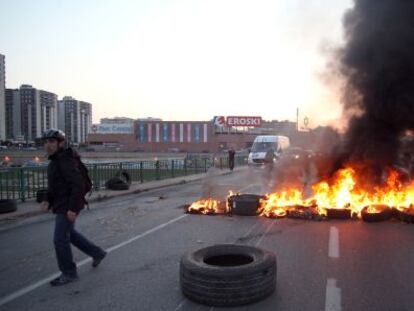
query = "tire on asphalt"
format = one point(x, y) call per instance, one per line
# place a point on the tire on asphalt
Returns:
point(244, 204)
point(404, 215)
point(116, 183)
point(228, 275)
point(8, 206)
point(41, 195)
point(385, 214)
point(338, 213)
point(124, 176)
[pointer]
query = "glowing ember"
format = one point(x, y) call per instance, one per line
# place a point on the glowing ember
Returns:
point(407, 210)
point(376, 208)
point(277, 212)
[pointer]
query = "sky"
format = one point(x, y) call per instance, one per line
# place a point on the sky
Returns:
point(178, 60)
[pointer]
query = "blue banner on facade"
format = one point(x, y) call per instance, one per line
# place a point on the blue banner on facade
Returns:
point(197, 133)
point(165, 132)
point(142, 132)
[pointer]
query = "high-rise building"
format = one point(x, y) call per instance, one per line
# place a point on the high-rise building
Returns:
point(30, 112)
point(49, 109)
point(13, 114)
point(75, 119)
point(2, 98)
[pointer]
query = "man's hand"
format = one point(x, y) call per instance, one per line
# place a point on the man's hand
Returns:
point(71, 216)
point(44, 206)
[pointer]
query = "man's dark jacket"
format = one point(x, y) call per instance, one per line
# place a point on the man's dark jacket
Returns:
point(65, 182)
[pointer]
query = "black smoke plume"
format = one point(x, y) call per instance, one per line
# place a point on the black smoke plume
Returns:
point(377, 62)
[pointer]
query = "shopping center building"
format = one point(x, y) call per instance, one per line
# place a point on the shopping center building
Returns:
point(155, 135)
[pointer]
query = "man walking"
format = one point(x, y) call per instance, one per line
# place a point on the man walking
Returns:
point(232, 153)
point(66, 190)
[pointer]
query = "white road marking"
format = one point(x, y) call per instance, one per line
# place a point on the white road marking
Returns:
point(40, 283)
point(333, 296)
point(180, 305)
point(250, 230)
point(264, 234)
point(333, 251)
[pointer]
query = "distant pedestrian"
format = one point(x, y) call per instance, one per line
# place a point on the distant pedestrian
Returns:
point(232, 154)
point(65, 197)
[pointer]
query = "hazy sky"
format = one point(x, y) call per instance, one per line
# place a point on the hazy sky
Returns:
point(178, 60)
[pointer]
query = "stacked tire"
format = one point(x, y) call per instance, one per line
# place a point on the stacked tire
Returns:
point(228, 275)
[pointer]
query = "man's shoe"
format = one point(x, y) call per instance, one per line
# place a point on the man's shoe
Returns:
point(97, 261)
point(63, 280)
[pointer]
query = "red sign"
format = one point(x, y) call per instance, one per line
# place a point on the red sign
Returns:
point(244, 121)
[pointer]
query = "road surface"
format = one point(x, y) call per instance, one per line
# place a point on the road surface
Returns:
point(328, 265)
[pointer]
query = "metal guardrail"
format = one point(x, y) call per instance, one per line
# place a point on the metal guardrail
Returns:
point(21, 183)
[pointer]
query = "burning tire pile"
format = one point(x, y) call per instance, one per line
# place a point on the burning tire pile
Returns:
point(345, 195)
point(252, 205)
point(338, 199)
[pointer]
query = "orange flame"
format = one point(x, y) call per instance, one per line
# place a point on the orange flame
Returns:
point(205, 206)
point(341, 192)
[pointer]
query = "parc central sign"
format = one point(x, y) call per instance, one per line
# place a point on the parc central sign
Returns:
point(108, 128)
point(235, 121)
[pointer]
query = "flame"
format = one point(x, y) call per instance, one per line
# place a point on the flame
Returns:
point(375, 209)
point(343, 192)
point(340, 192)
point(228, 207)
point(205, 206)
point(278, 204)
point(407, 210)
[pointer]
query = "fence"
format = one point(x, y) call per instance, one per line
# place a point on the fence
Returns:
point(22, 183)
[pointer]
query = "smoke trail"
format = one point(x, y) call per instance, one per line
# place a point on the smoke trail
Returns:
point(377, 63)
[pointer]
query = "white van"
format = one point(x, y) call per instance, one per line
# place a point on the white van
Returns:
point(267, 149)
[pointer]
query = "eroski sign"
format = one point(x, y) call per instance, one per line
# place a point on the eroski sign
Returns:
point(244, 121)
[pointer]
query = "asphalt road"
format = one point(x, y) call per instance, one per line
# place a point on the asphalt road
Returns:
point(329, 265)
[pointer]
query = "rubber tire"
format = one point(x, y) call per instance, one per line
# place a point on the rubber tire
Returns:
point(124, 176)
point(231, 285)
point(41, 195)
point(386, 214)
point(8, 206)
point(405, 217)
point(244, 204)
point(116, 183)
point(338, 213)
point(120, 186)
